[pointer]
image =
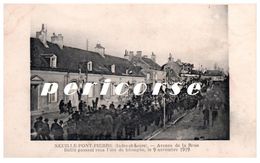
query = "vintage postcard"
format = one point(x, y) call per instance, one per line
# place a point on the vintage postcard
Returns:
point(130, 80)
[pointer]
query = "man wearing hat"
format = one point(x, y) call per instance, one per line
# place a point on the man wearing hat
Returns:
point(46, 130)
point(57, 130)
point(38, 125)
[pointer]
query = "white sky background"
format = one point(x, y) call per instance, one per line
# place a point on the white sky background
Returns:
point(193, 33)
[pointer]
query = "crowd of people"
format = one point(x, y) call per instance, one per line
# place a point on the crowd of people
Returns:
point(43, 129)
point(122, 122)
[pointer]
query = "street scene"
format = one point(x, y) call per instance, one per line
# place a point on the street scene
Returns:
point(192, 125)
point(200, 112)
point(204, 118)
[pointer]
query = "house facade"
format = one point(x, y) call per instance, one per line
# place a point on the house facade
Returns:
point(53, 62)
point(176, 70)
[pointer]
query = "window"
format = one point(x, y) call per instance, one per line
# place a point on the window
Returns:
point(52, 97)
point(53, 61)
point(91, 91)
point(147, 76)
point(89, 66)
point(113, 88)
point(155, 76)
point(113, 68)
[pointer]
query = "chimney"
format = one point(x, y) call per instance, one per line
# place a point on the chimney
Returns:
point(87, 44)
point(138, 54)
point(100, 49)
point(153, 57)
point(44, 27)
point(131, 55)
point(127, 56)
point(178, 61)
point(42, 35)
point(57, 39)
point(126, 52)
point(170, 59)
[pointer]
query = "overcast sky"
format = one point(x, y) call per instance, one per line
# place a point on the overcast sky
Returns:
point(192, 33)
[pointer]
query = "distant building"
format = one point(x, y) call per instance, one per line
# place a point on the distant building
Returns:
point(148, 66)
point(214, 75)
point(177, 70)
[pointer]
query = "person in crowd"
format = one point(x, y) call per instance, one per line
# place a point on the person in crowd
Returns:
point(199, 105)
point(90, 109)
point(75, 116)
point(214, 113)
point(38, 126)
point(119, 125)
point(119, 107)
point(85, 107)
point(112, 106)
point(61, 131)
point(72, 129)
point(206, 117)
point(57, 130)
point(62, 107)
point(69, 106)
point(81, 106)
point(46, 130)
point(129, 120)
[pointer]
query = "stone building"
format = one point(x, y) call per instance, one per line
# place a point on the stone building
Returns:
point(55, 62)
point(149, 67)
point(177, 70)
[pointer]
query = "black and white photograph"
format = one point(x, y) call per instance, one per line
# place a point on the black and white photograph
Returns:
point(129, 72)
point(131, 79)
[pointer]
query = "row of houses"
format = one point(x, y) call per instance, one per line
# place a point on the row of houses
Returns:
point(52, 61)
point(176, 70)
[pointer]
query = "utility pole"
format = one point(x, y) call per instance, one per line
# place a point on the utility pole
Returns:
point(164, 101)
point(86, 76)
point(87, 44)
point(164, 112)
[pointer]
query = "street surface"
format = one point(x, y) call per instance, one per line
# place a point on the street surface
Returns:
point(191, 126)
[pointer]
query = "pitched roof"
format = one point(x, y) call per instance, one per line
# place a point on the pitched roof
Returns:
point(151, 63)
point(122, 65)
point(213, 73)
point(173, 65)
point(196, 72)
point(69, 59)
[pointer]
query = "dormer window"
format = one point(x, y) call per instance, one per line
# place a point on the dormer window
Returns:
point(53, 61)
point(89, 66)
point(129, 72)
point(113, 68)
